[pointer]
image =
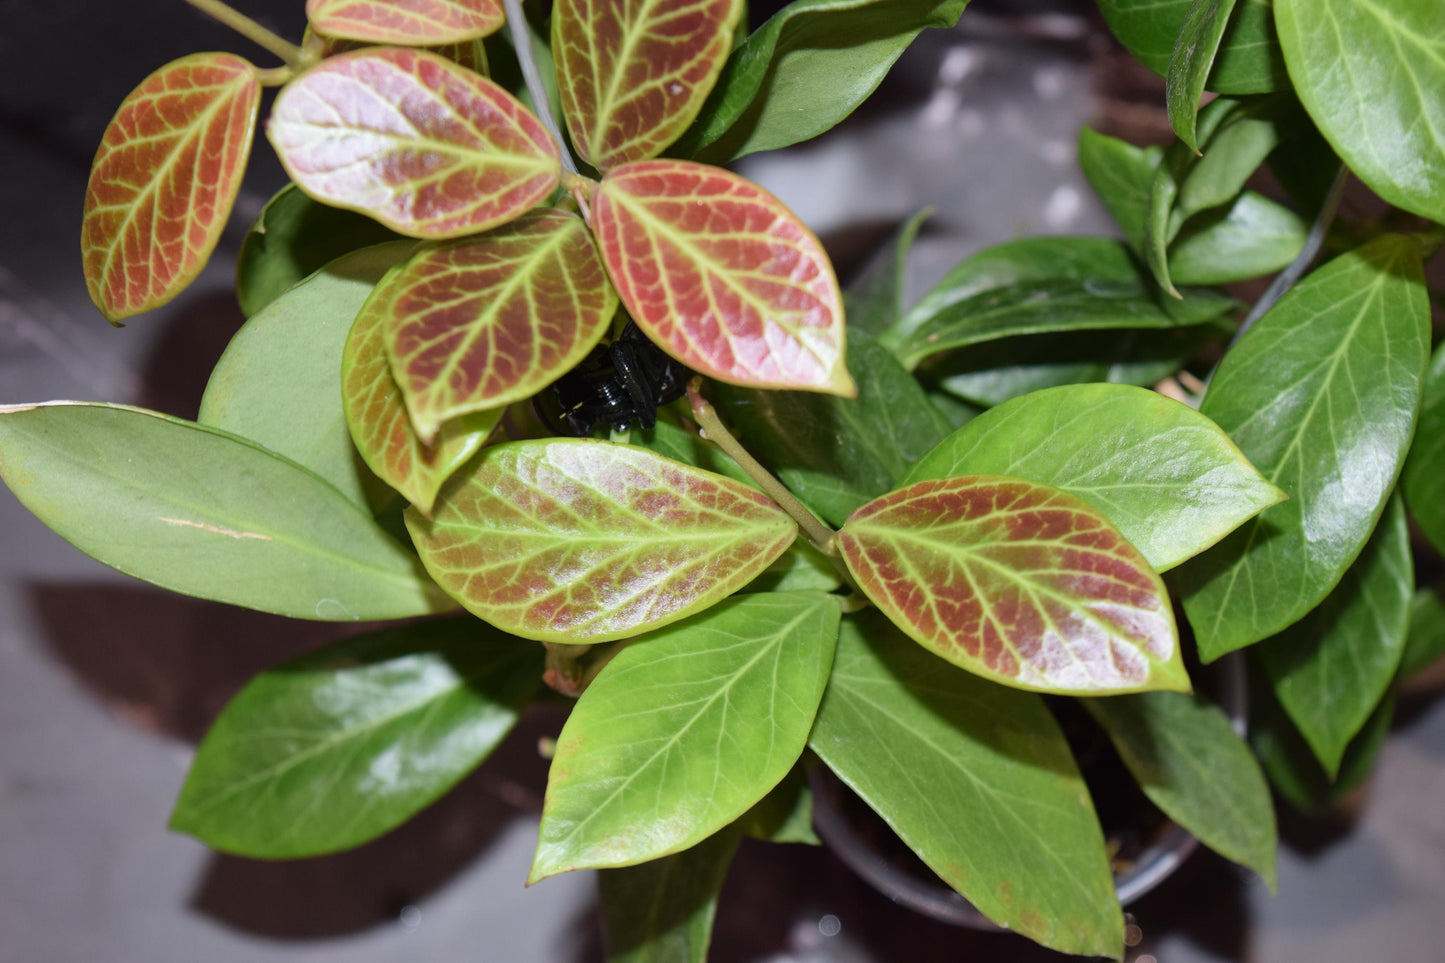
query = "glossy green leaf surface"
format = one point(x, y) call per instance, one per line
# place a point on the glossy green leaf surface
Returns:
point(406, 22)
point(1018, 582)
point(585, 541)
point(1186, 757)
point(426, 147)
point(685, 730)
point(805, 70)
point(1121, 174)
point(784, 815)
point(802, 567)
point(633, 74)
point(375, 414)
point(1321, 396)
point(680, 444)
point(873, 302)
point(164, 180)
point(1425, 640)
point(662, 911)
point(279, 383)
point(1253, 236)
point(1248, 60)
point(977, 780)
point(486, 321)
point(1424, 477)
point(105, 479)
point(837, 453)
point(333, 749)
point(292, 239)
point(1371, 73)
point(1166, 476)
point(1190, 62)
point(1330, 669)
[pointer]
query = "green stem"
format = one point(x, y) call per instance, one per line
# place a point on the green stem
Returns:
point(541, 106)
point(295, 57)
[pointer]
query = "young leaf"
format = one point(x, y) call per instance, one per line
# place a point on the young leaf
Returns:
point(722, 276)
point(1424, 477)
point(1425, 641)
point(1330, 669)
point(426, 147)
point(1189, 64)
point(585, 541)
point(278, 383)
point(1372, 76)
point(294, 238)
point(685, 730)
point(1248, 60)
point(335, 748)
point(977, 780)
point(874, 301)
point(415, 23)
point(1253, 236)
point(489, 320)
point(805, 70)
point(164, 179)
point(1321, 396)
point(196, 511)
point(376, 418)
point(1017, 582)
point(633, 74)
point(1190, 764)
point(662, 911)
point(1121, 174)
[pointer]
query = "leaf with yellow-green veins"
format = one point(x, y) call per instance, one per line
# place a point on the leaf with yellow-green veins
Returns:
point(722, 276)
point(164, 180)
point(1018, 582)
point(493, 319)
point(415, 23)
point(376, 414)
point(428, 148)
point(633, 74)
point(579, 540)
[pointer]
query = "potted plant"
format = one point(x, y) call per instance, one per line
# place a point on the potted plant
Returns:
point(575, 404)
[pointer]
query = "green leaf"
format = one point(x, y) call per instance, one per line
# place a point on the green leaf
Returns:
point(1194, 51)
point(688, 447)
point(1330, 669)
point(802, 567)
point(1253, 236)
point(406, 22)
point(279, 381)
point(1186, 757)
point(784, 815)
point(1424, 476)
point(1120, 174)
point(1017, 582)
point(580, 540)
point(977, 780)
point(294, 238)
point(1425, 641)
point(1371, 73)
point(335, 748)
point(205, 513)
point(874, 301)
point(1164, 474)
point(836, 453)
point(662, 911)
point(685, 730)
point(1248, 60)
point(805, 70)
point(1321, 395)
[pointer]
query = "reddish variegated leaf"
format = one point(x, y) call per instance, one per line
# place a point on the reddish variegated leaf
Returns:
point(1018, 582)
point(722, 276)
point(579, 540)
point(415, 23)
point(428, 148)
point(633, 74)
point(490, 320)
point(471, 54)
point(377, 418)
point(164, 180)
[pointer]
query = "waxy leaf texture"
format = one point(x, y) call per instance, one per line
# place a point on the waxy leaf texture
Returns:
point(164, 180)
point(1018, 582)
point(580, 540)
point(634, 73)
point(414, 23)
point(428, 148)
point(493, 319)
point(1247, 60)
point(376, 412)
point(722, 276)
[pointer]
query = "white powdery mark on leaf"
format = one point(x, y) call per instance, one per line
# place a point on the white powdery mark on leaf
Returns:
point(215, 529)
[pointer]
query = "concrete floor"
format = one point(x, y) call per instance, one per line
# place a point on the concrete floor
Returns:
point(105, 684)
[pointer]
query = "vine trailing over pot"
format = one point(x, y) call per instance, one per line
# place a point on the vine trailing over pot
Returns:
point(873, 558)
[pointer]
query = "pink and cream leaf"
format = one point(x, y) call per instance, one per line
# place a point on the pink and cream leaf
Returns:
point(413, 23)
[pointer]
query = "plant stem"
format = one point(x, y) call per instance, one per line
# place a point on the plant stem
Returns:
point(294, 56)
point(541, 106)
point(713, 430)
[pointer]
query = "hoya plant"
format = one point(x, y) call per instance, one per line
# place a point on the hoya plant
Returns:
point(589, 418)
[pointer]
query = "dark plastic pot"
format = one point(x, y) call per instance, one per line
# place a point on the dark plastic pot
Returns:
point(852, 830)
